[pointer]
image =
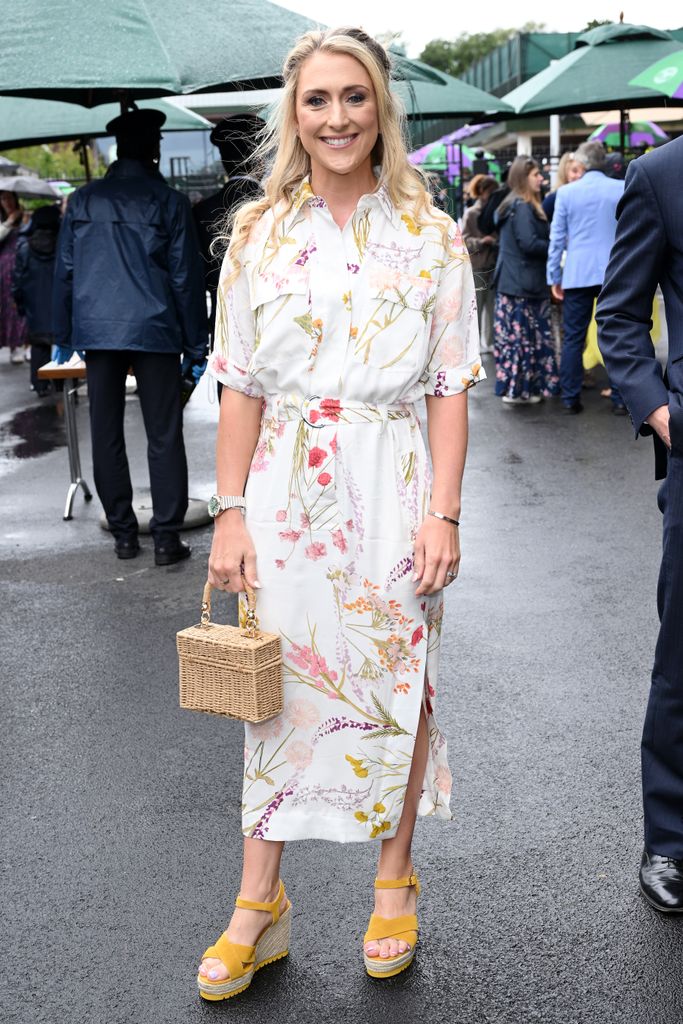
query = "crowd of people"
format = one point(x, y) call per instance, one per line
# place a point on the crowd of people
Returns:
point(539, 265)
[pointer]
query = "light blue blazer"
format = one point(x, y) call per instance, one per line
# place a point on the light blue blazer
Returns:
point(584, 225)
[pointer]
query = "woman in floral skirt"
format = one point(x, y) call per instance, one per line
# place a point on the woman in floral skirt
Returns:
point(345, 298)
point(13, 328)
point(526, 369)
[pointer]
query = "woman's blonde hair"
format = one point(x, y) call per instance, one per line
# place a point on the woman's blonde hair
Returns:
point(280, 150)
point(518, 182)
point(563, 169)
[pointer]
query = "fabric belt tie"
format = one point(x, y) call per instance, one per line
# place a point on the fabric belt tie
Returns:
point(325, 412)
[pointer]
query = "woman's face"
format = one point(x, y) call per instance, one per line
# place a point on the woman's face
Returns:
point(535, 179)
point(336, 113)
point(575, 170)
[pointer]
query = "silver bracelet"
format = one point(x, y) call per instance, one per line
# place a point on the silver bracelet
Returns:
point(446, 519)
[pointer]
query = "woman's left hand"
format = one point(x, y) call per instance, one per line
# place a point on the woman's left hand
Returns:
point(437, 552)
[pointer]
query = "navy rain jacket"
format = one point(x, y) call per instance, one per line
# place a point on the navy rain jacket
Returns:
point(128, 273)
point(33, 276)
point(523, 240)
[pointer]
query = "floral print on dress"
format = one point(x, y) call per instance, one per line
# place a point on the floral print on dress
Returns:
point(340, 332)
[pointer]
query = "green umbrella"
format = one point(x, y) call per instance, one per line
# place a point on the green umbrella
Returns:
point(665, 76)
point(27, 122)
point(447, 97)
point(103, 51)
point(596, 75)
point(444, 156)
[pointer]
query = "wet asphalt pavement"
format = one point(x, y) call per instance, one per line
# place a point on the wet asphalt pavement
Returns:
point(120, 837)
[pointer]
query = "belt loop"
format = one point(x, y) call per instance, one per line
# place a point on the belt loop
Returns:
point(384, 415)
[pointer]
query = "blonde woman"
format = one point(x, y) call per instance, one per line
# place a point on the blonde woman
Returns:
point(569, 169)
point(345, 297)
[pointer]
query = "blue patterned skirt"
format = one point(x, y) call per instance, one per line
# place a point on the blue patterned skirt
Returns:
point(523, 348)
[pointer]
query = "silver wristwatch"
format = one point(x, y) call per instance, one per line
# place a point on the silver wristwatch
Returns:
point(221, 502)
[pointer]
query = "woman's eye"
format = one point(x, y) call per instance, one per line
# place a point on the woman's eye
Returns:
point(356, 97)
point(315, 101)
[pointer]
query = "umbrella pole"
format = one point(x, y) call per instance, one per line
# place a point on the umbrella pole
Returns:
point(86, 160)
point(622, 132)
point(461, 203)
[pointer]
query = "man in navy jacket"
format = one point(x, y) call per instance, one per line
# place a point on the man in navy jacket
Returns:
point(648, 251)
point(129, 291)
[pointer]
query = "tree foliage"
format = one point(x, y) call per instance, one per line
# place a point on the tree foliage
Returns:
point(455, 56)
point(595, 23)
point(57, 160)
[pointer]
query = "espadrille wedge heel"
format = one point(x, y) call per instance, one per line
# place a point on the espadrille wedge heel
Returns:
point(243, 962)
point(404, 929)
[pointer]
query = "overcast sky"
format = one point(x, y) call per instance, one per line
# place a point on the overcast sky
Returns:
point(421, 21)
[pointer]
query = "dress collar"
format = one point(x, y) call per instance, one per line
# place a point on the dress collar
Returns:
point(304, 194)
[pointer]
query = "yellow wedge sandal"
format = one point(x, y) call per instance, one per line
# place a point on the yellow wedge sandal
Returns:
point(403, 929)
point(244, 961)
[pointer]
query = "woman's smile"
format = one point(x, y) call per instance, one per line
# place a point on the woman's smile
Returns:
point(338, 141)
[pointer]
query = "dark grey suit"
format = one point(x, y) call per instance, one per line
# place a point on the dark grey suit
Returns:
point(648, 251)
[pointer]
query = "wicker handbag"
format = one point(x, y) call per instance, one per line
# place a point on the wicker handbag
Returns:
point(230, 671)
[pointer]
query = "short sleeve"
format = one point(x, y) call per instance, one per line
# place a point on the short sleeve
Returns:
point(234, 336)
point(454, 363)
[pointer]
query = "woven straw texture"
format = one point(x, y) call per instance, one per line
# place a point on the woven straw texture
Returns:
point(225, 672)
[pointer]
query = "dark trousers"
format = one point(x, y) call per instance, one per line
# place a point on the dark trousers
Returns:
point(662, 746)
point(158, 378)
point(577, 312)
point(212, 331)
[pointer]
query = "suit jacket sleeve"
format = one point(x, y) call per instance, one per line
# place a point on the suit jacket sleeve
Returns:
point(523, 228)
point(558, 240)
point(624, 312)
point(187, 280)
point(62, 289)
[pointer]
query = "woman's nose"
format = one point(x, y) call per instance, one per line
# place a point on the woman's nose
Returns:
point(338, 116)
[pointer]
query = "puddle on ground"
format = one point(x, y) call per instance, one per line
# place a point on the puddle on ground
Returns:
point(33, 432)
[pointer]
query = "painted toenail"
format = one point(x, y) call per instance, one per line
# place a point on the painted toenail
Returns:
point(213, 974)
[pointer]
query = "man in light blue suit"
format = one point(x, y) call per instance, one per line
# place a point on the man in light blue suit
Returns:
point(583, 227)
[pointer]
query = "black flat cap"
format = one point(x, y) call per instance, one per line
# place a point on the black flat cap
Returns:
point(144, 123)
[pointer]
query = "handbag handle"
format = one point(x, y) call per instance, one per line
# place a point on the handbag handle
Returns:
point(251, 629)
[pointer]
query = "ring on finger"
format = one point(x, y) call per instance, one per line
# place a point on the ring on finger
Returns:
point(451, 575)
point(225, 582)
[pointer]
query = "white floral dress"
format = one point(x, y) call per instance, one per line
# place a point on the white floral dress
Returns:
point(341, 332)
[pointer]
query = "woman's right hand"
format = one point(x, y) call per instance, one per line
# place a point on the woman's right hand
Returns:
point(232, 554)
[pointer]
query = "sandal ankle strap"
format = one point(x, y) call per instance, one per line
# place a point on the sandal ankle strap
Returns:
point(270, 908)
point(399, 883)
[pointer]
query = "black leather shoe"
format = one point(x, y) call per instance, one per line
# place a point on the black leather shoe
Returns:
point(661, 882)
point(169, 554)
point(127, 548)
point(574, 409)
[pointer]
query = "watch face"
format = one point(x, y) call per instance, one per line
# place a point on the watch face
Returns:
point(214, 506)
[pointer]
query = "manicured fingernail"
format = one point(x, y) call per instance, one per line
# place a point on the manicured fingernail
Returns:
point(257, 584)
point(414, 577)
point(213, 974)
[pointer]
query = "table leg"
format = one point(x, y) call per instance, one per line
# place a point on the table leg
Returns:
point(70, 389)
